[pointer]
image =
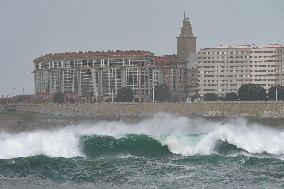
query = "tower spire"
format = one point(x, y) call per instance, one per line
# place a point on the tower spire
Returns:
point(184, 15)
point(186, 42)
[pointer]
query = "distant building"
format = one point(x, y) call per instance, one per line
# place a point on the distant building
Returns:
point(186, 52)
point(186, 42)
point(181, 79)
point(192, 81)
point(172, 73)
point(224, 69)
point(95, 76)
point(17, 99)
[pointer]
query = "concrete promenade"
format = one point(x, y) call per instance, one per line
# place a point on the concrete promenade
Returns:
point(207, 109)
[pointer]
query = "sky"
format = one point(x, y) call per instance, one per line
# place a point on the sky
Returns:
point(31, 28)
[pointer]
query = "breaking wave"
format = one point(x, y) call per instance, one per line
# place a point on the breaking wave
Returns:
point(161, 135)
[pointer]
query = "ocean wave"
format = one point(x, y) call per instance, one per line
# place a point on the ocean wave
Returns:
point(135, 145)
point(161, 135)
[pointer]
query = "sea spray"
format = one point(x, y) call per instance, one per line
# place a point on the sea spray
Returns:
point(56, 143)
point(181, 135)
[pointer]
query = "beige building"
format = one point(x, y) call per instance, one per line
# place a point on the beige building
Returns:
point(96, 76)
point(173, 73)
point(186, 42)
point(224, 69)
point(186, 52)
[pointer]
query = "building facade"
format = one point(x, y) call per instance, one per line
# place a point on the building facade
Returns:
point(95, 76)
point(186, 42)
point(186, 52)
point(173, 74)
point(224, 69)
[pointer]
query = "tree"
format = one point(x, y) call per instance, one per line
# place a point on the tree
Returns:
point(272, 93)
point(210, 97)
point(251, 92)
point(124, 94)
point(162, 93)
point(58, 98)
point(231, 97)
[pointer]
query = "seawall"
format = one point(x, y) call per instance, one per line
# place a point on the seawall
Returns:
point(207, 109)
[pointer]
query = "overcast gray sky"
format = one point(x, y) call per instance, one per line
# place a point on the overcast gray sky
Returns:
point(30, 28)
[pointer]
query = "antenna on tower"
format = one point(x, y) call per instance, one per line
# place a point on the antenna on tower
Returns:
point(184, 15)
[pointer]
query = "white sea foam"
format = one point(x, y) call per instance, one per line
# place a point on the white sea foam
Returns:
point(181, 135)
point(59, 143)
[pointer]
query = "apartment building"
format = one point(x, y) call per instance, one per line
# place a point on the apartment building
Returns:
point(96, 76)
point(173, 73)
point(224, 69)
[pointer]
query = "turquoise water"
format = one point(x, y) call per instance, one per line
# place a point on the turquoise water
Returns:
point(162, 152)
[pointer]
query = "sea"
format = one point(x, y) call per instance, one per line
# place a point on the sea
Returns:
point(162, 151)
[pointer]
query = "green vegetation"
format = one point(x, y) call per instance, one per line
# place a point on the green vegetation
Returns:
point(231, 97)
point(162, 93)
point(210, 97)
point(124, 94)
point(272, 93)
point(58, 98)
point(251, 92)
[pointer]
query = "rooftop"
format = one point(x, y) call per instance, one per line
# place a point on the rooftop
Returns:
point(90, 55)
point(245, 46)
point(167, 61)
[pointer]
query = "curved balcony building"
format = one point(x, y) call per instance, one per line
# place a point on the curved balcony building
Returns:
point(95, 76)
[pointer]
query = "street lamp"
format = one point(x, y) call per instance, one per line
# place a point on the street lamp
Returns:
point(13, 91)
point(112, 88)
point(153, 94)
point(276, 94)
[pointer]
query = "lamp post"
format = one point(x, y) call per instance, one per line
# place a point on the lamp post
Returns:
point(153, 97)
point(112, 88)
point(276, 94)
point(13, 91)
point(112, 95)
point(153, 85)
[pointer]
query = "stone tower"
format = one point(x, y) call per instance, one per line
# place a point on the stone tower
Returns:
point(186, 42)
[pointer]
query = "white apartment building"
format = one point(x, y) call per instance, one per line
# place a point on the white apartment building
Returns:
point(224, 69)
point(96, 76)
